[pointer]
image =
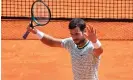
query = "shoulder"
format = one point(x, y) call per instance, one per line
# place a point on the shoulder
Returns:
point(90, 45)
point(67, 40)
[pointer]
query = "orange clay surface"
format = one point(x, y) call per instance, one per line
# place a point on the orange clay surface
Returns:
point(32, 60)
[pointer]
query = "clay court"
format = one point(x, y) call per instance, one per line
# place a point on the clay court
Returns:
point(31, 60)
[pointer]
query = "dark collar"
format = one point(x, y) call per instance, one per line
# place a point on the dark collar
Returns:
point(84, 45)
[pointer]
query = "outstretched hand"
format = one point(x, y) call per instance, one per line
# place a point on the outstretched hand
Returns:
point(91, 34)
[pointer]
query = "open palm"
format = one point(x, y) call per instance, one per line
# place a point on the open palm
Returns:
point(91, 34)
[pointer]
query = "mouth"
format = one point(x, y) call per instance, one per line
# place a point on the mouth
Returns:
point(75, 40)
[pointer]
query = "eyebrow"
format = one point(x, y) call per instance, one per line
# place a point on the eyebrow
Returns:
point(75, 33)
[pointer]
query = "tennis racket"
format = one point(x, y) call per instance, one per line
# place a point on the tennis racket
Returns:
point(40, 15)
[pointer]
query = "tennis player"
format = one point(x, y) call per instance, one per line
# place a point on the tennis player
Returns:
point(83, 45)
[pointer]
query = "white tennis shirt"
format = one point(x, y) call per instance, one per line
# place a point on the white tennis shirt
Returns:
point(84, 63)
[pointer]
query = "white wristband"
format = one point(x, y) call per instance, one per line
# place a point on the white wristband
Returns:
point(40, 34)
point(97, 44)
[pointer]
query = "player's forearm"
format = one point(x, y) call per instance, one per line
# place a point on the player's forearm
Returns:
point(48, 40)
point(98, 50)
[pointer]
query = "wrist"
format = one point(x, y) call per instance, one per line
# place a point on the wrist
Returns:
point(94, 41)
point(34, 31)
point(96, 44)
point(39, 34)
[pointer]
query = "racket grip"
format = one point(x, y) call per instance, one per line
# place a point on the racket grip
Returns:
point(26, 34)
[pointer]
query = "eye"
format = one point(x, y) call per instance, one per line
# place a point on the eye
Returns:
point(76, 34)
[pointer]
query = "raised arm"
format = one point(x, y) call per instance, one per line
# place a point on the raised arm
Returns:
point(91, 35)
point(46, 39)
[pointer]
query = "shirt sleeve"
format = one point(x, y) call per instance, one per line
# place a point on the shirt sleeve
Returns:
point(91, 45)
point(66, 43)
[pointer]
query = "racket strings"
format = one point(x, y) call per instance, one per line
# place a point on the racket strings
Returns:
point(41, 13)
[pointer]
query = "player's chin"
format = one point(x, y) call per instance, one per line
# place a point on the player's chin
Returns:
point(77, 42)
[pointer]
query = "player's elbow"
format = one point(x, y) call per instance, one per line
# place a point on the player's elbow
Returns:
point(98, 51)
point(47, 42)
point(50, 42)
point(101, 50)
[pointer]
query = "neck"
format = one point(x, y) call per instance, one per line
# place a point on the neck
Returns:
point(83, 43)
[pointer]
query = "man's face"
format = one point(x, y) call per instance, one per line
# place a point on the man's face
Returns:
point(77, 35)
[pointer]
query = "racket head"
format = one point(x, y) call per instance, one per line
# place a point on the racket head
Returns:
point(40, 13)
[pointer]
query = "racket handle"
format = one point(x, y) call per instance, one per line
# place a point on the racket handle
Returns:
point(26, 34)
